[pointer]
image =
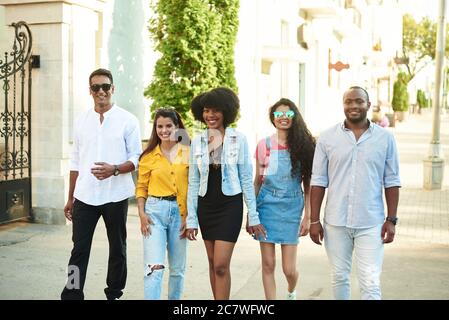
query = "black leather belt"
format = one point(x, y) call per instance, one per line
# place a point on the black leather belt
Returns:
point(168, 198)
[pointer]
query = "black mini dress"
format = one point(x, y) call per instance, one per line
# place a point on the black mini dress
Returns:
point(220, 217)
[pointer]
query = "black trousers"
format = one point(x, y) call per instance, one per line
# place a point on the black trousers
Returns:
point(84, 219)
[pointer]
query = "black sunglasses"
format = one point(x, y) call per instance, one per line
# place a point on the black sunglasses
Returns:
point(104, 86)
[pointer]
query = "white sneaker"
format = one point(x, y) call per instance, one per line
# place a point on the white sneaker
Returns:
point(291, 295)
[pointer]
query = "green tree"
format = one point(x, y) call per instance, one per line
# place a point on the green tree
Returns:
point(423, 102)
point(400, 94)
point(228, 10)
point(195, 39)
point(419, 43)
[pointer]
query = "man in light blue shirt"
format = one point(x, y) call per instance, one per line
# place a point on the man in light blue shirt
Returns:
point(355, 160)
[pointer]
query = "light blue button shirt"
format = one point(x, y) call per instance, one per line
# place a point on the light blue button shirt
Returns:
point(236, 170)
point(355, 173)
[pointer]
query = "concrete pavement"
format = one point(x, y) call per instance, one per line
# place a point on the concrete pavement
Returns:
point(33, 257)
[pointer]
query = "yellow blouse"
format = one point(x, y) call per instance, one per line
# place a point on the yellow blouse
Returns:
point(158, 177)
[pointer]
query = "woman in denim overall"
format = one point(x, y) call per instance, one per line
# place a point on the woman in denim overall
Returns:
point(280, 200)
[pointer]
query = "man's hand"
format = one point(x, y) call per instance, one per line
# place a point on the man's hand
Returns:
point(388, 231)
point(102, 170)
point(316, 233)
point(68, 209)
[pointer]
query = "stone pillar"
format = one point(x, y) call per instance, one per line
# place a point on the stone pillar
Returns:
point(65, 36)
point(433, 173)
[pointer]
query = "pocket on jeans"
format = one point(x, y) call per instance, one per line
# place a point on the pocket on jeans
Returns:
point(151, 204)
point(151, 201)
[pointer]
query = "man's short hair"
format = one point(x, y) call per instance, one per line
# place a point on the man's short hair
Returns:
point(101, 72)
point(361, 88)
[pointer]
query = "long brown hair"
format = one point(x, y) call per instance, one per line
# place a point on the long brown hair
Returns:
point(300, 142)
point(181, 135)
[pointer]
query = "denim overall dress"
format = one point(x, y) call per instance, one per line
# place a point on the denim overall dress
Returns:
point(280, 201)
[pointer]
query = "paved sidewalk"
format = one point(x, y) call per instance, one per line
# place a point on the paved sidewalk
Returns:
point(33, 257)
point(423, 214)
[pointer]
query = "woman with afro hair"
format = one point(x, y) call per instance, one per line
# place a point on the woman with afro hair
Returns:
point(220, 176)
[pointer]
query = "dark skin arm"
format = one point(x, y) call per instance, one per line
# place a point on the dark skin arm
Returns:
point(191, 234)
point(392, 200)
point(316, 199)
point(69, 205)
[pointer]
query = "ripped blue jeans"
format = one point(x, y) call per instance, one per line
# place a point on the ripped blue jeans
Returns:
point(164, 237)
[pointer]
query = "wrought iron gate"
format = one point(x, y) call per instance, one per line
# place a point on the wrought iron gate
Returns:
point(15, 133)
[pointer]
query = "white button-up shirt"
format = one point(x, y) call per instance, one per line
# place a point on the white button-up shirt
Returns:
point(114, 141)
point(355, 173)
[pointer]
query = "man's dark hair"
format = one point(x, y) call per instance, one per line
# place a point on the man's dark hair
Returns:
point(101, 72)
point(222, 99)
point(363, 89)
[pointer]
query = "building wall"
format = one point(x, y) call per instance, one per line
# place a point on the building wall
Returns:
point(64, 35)
point(267, 59)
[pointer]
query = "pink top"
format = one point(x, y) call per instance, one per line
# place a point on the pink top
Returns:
point(384, 122)
point(261, 150)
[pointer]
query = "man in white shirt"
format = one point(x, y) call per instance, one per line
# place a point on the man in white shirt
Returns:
point(356, 160)
point(106, 149)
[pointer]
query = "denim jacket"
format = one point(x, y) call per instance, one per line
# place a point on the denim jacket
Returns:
point(236, 170)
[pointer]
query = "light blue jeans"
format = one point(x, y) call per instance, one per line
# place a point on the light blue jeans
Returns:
point(164, 236)
point(368, 248)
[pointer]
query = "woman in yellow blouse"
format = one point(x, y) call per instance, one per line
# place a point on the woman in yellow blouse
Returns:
point(161, 194)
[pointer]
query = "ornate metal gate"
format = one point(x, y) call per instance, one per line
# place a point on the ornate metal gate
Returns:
point(15, 120)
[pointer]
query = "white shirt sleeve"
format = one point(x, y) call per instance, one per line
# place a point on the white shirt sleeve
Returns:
point(133, 142)
point(74, 161)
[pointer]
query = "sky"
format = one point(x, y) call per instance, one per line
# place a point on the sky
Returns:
point(422, 8)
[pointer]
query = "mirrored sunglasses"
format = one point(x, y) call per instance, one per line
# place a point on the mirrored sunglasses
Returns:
point(104, 86)
point(289, 114)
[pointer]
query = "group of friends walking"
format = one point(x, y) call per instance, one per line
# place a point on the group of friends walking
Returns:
point(188, 185)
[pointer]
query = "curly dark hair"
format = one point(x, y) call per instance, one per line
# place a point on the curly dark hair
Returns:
point(222, 99)
point(300, 142)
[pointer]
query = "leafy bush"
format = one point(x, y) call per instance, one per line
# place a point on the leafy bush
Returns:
point(400, 94)
point(423, 102)
point(196, 40)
